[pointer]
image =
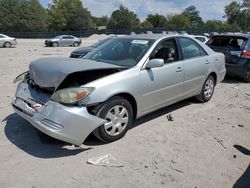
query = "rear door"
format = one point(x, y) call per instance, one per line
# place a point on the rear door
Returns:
point(196, 64)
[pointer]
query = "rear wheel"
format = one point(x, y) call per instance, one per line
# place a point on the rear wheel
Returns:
point(75, 44)
point(7, 44)
point(247, 78)
point(207, 90)
point(119, 114)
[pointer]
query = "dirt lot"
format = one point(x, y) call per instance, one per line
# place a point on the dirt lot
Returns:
point(206, 145)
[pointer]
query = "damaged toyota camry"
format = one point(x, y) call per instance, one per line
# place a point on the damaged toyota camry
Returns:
point(120, 81)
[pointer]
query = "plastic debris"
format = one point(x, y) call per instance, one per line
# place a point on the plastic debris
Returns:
point(106, 160)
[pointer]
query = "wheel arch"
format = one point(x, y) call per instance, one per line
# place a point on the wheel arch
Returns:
point(214, 75)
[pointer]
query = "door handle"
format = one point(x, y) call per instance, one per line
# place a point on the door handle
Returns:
point(179, 69)
point(207, 62)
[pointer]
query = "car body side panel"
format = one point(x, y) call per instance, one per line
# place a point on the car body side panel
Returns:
point(196, 71)
point(161, 85)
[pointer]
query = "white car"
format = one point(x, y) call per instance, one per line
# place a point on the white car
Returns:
point(201, 38)
point(6, 41)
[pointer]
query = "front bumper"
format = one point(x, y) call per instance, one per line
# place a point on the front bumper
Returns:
point(69, 124)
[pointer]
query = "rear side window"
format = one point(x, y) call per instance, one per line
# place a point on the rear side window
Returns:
point(190, 49)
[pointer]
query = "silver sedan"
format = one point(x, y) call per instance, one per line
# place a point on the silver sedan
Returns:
point(63, 40)
point(124, 79)
point(6, 41)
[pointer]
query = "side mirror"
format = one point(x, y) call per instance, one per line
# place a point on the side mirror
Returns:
point(154, 63)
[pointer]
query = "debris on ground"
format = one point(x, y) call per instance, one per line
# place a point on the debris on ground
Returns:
point(247, 94)
point(170, 118)
point(220, 142)
point(241, 125)
point(105, 160)
point(176, 170)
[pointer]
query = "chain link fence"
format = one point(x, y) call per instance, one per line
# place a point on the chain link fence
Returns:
point(89, 32)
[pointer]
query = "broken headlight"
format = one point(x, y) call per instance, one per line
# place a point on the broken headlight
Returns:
point(21, 77)
point(71, 95)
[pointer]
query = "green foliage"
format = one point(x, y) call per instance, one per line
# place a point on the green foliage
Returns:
point(146, 24)
point(216, 25)
point(194, 16)
point(238, 14)
point(157, 20)
point(123, 18)
point(102, 21)
point(68, 15)
point(179, 21)
point(22, 15)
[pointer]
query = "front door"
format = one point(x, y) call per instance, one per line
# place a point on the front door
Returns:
point(163, 85)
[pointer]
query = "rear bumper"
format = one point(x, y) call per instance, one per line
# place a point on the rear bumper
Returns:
point(238, 70)
point(69, 124)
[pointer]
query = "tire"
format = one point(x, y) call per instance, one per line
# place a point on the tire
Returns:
point(75, 44)
point(119, 115)
point(207, 90)
point(247, 78)
point(7, 44)
point(55, 44)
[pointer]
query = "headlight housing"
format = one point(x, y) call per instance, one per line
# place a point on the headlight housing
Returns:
point(72, 95)
point(21, 77)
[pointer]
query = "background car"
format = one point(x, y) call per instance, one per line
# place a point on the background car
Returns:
point(63, 40)
point(123, 79)
point(80, 52)
point(236, 48)
point(6, 41)
point(201, 38)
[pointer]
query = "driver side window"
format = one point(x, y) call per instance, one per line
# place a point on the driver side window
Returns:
point(166, 50)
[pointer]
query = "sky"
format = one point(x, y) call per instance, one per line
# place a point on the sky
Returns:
point(209, 9)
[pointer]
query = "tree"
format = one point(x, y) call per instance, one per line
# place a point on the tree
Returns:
point(102, 21)
point(68, 15)
point(157, 20)
point(123, 18)
point(238, 14)
point(146, 24)
point(179, 21)
point(194, 16)
point(22, 15)
point(233, 12)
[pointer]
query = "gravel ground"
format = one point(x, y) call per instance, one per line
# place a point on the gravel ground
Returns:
point(206, 145)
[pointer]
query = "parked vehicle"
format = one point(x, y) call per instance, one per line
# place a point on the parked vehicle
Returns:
point(123, 79)
point(80, 52)
point(236, 48)
point(63, 40)
point(201, 38)
point(6, 41)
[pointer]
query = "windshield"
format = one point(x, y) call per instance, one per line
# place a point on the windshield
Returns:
point(100, 42)
point(57, 37)
point(125, 52)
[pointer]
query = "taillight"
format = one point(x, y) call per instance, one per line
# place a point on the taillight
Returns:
point(245, 54)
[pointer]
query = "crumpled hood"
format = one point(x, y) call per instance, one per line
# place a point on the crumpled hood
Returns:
point(50, 72)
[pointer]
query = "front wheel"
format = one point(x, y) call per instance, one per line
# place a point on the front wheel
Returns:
point(119, 114)
point(7, 44)
point(207, 90)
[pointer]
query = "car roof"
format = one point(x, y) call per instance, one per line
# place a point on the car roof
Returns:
point(232, 35)
point(151, 36)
